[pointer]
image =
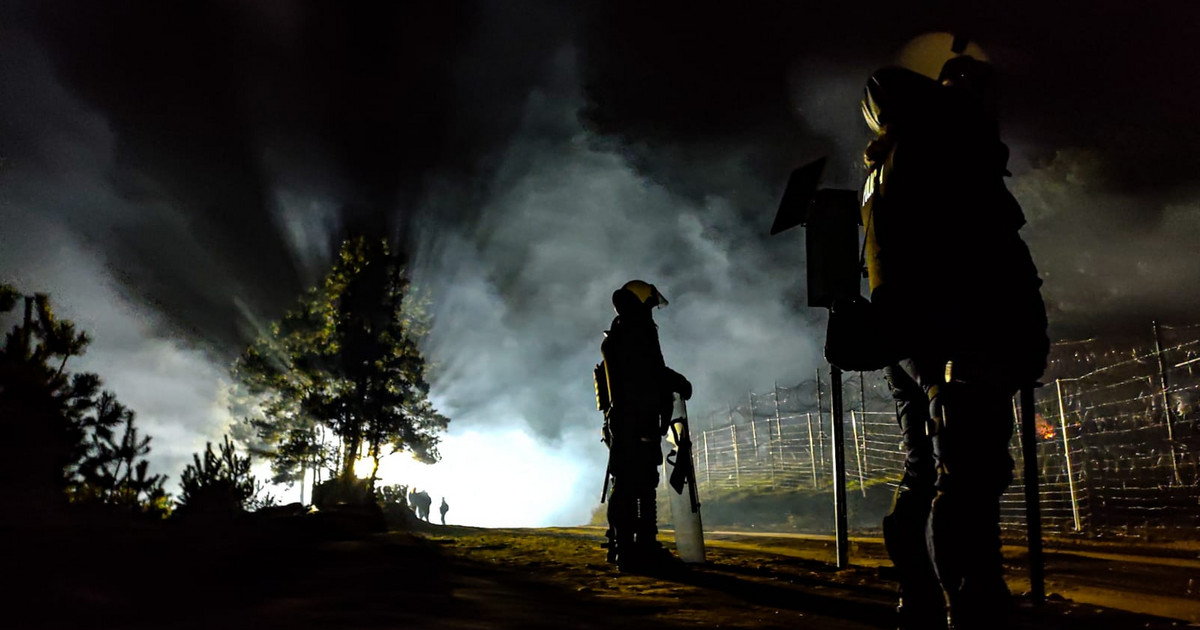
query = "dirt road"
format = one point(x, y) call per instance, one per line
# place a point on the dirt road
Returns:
point(788, 581)
point(1161, 579)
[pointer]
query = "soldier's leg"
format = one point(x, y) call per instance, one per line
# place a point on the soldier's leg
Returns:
point(622, 506)
point(647, 528)
point(974, 467)
point(922, 604)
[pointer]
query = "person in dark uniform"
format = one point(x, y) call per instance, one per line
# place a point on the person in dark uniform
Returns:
point(955, 292)
point(445, 507)
point(640, 390)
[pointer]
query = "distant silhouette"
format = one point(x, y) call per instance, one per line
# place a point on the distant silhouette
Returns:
point(420, 502)
point(443, 509)
point(635, 390)
point(956, 296)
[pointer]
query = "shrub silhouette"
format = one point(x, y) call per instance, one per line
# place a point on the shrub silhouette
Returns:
point(220, 484)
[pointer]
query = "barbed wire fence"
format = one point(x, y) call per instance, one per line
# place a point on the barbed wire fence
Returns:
point(1118, 427)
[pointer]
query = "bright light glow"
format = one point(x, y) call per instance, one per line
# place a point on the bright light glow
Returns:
point(501, 479)
point(363, 466)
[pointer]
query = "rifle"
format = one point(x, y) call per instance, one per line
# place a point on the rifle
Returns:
point(684, 471)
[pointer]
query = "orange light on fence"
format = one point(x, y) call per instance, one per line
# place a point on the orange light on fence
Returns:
point(1045, 430)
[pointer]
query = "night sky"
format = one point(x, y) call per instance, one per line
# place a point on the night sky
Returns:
point(175, 173)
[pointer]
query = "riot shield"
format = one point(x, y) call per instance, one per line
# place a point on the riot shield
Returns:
point(683, 495)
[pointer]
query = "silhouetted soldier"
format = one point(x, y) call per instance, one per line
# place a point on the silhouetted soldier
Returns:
point(640, 391)
point(420, 502)
point(957, 298)
point(445, 507)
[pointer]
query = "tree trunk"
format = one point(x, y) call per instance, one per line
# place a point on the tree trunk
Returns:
point(303, 474)
point(375, 459)
point(351, 443)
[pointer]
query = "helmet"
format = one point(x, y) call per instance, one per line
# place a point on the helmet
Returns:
point(635, 294)
point(928, 53)
point(902, 92)
point(894, 93)
point(971, 76)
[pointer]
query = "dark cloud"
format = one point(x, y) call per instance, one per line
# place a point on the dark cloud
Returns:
point(234, 118)
point(256, 124)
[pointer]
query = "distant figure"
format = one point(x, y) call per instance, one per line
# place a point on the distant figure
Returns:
point(420, 502)
point(957, 297)
point(637, 402)
point(445, 508)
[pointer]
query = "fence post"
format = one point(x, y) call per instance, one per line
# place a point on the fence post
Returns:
point(862, 408)
point(812, 451)
point(1062, 421)
point(707, 472)
point(737, 465)
point(778, 426)
point(770, 453)
point(753, 431)
point(857, 454)
point(841, 531)
point(820, 421)
point(1017, 426)
point(1033, 510)
point(1162, 376)
point(733, 430)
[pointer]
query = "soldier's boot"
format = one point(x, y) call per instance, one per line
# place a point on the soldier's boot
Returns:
point(622, 520)
point(982, 604)
point(922, 602)
point(610, 545)
point(628, 558)
point(656, 556)
point(966, 540)
point(921, 611)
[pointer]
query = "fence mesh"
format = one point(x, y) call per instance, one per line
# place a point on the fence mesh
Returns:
point(1117, 424)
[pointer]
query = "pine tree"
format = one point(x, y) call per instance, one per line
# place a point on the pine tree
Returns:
point(345, 363)
point(59, 427)
point(114, 470)
point(220, 483)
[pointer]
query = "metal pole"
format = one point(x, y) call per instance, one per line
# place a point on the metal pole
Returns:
point(778, 426)
point(862, 409)
point(1062, 421)
point(753, 431)
point(707, 472)
point(812, 450)
point(770, 453)
point(1033, 511)
point(857, 453)
point(1167, 416)
point(779, 438)
point(737, 465)
point(1019, 428)
point(820, 421)
point(839, 469)
point(729, 406)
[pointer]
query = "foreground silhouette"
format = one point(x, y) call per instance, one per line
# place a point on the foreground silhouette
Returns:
point(301, 572)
